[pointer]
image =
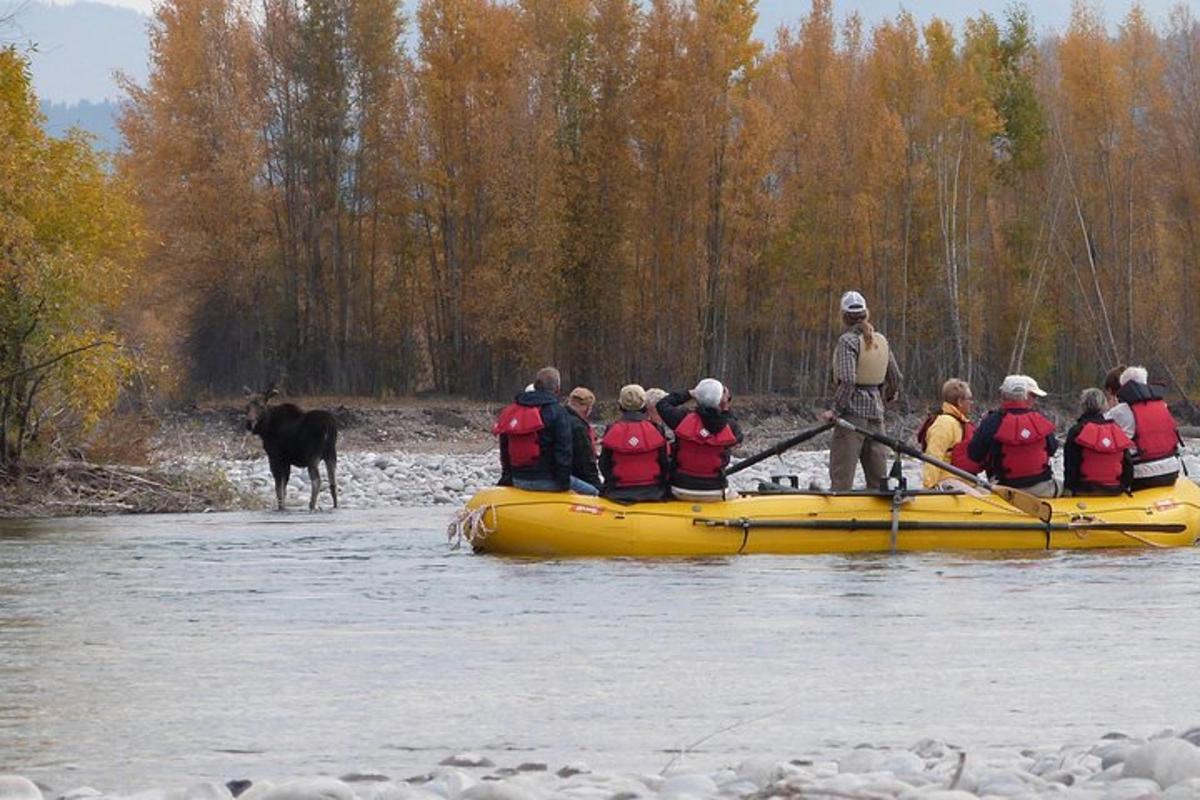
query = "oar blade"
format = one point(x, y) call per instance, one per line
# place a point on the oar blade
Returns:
point(1031, 505)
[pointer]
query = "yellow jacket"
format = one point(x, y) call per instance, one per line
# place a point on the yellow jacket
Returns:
point(940, 438)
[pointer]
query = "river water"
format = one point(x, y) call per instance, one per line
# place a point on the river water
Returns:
point(158, 651)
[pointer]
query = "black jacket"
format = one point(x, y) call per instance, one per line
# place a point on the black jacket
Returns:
point(634, 494)
point(984, 449)
point(1073, 458)
point(583, 452)
point(554, 461)
point(671, 409)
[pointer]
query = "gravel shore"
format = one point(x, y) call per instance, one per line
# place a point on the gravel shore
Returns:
point(1165, 766)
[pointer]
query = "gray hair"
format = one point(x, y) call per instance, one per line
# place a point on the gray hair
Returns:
point(1092, 400)
point(548, 380)
point(1015, 394)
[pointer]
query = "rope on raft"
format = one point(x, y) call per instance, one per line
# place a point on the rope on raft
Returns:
point(469, 525)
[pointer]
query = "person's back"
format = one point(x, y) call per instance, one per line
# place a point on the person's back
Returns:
point(633, 454)
point(535, 439)
point(1015, 442)
point(1143, 415)
point(1097, 454)
point(704, 438)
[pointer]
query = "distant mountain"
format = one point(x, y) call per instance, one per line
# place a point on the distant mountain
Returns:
point(75, 49)
point(98, 119)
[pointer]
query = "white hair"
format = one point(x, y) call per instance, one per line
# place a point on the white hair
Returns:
point(1135, 374)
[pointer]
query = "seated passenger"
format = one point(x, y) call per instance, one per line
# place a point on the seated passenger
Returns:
point(703, 441)
point(579, 404)
point(1015, 442)
point(535, 439)
point(1143, 415)
point(1097, 458)
point(633, 453)
point(946, 436)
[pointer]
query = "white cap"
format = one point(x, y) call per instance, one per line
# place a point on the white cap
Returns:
point(529, 388)
point(1021, 386)
point(709, 393)
point(853, 303)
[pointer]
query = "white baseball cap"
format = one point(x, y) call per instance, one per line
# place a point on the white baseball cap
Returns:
point(1021, 385)
point(853, 303)
point(709, 393)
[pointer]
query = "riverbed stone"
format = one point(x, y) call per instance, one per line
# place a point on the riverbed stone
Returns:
point(693, 785)
point(1184, 790)
point(17, 787)
point(466, 760)
point(1133, 789)
point(1167, 761)
point(208, 791)
point(498, 790)
point(310, 789)
point(81, 793)
point(762, 771)
point(450, 782)
point(902, 763)
point(860, 760)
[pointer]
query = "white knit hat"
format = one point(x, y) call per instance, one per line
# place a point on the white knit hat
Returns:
point(709, 393)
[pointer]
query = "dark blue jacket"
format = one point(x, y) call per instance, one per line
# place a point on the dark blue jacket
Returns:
point(984, 449)
point(554, 440)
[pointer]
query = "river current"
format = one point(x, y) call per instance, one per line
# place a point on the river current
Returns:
point(164, 650)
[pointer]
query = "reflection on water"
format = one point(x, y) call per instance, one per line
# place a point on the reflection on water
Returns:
point(161, 650)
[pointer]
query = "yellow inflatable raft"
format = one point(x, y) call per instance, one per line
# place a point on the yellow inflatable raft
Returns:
point(515, 522)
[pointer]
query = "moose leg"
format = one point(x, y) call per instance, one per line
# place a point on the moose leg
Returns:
point(314, 477)
point(282, 473)
point(331, 470)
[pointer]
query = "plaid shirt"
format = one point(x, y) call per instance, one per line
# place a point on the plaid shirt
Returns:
point(851, 400)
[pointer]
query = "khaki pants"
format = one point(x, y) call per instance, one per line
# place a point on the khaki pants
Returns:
point(849, 449)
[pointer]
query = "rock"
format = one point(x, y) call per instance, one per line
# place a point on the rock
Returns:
point(902, 763)
point(947, 794)
point(466, 760)
point(761, 771)
point(310, 789)
point(208, 791)
point(694, 785)
point(1132, 789)
point(572, 769)
point(496, 790)
point(1114, 752)
point(450, 783)
point(859, 760)
point(454, 485)
point(256, 791)
point(1184, 790)
point(1166, 761)
point(929, 748)
point(81, 793)
point(382, 463)
point(1004, 783)
point(532, 766)
point(364, 777)
point(238, 786)
point(15, 787)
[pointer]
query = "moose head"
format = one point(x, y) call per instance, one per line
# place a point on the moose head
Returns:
point(256, 406)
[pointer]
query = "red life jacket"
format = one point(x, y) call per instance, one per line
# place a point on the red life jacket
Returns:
point(520, 426)
point(958, 453)
point(698, 453)
point(1154, 432)
point(1022, 441)
point(634, 447)
point(1102, 453)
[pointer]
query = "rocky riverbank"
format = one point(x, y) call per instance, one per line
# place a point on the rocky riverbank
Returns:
point(1165, 766)
point(435, 452)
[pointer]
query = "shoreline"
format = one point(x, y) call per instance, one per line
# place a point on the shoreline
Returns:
point(1163, 766)
point(389, 454)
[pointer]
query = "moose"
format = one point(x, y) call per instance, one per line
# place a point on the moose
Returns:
point(293, 437)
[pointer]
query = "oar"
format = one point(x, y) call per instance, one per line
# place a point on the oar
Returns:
point(776, 449)
point(1024, 501)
